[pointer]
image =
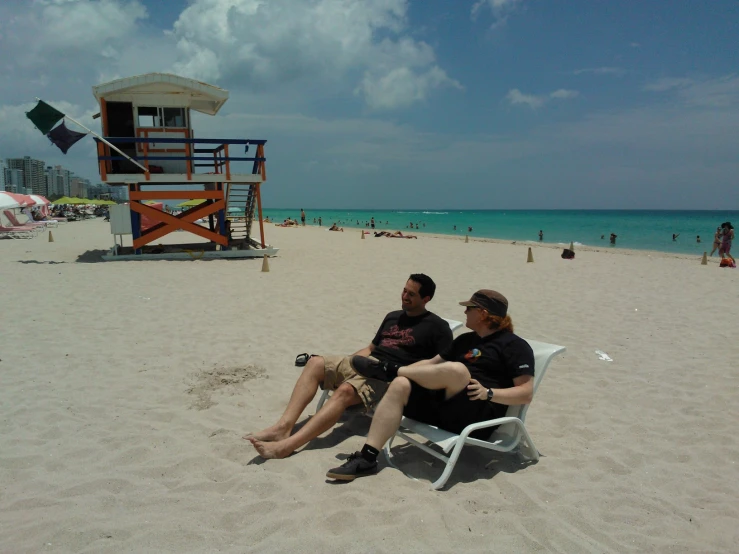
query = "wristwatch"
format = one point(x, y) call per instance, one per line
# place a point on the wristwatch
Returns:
point(490, 394)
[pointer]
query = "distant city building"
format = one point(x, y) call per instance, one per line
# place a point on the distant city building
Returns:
point(3, 177)
point(79, 186)
point(34, 174)
point(58, 181)
point(14, 180)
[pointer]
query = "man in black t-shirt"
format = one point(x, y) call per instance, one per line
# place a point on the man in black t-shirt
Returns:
point(404, 337)
point(475, 379)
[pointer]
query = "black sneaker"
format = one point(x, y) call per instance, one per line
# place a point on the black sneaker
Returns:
point(382, 371)
point(355, 466)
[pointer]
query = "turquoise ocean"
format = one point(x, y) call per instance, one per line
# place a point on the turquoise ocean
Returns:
point(636, 229)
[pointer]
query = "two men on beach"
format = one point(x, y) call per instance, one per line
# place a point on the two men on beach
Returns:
point(404, 337)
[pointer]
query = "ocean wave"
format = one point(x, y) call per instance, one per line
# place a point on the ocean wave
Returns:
point(436, 213)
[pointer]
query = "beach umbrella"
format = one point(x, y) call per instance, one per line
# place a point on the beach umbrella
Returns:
point(22, 199)
point(190, 203)
point(40, 200)
point(7, 201)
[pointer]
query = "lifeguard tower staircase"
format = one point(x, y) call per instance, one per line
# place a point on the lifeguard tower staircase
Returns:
point(151, 149)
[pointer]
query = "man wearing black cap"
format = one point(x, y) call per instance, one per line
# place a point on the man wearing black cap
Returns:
point(475, 379)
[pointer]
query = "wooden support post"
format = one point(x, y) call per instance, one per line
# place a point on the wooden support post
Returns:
point(259, 208)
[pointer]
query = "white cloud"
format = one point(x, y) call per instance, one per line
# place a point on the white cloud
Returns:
point(262, 45)
point(605, 70)
point(718, 92)
point(668, 83)
point(516, 97)
point(501, 9)
point(564, 94)
point(536, 101)
point(60, 27)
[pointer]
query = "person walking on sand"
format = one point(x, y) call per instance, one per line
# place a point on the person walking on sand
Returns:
point(476, 379)
point(716, 240)
point(727, 238)
point(404, 337)
point(302, 216)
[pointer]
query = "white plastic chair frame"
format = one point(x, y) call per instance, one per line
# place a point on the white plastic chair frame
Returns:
point(453, 325)
point(511, 434)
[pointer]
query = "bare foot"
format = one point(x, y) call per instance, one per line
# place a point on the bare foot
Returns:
point(274, 433)
point(271, 450)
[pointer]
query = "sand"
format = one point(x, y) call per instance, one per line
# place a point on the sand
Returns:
point(126, 388)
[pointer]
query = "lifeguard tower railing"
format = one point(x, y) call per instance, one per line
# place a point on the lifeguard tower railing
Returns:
point(186, 161)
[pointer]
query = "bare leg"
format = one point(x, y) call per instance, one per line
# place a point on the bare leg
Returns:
point(326, 418)
point(389, 413)
point(452, 377)
point(303, 392)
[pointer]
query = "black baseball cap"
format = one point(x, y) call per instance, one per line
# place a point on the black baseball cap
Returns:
point(491, 301)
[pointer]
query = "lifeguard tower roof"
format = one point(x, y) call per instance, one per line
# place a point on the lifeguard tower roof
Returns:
point(163, 89)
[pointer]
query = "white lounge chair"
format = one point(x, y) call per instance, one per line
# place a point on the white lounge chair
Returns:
point(453, 325)
point(510, 435)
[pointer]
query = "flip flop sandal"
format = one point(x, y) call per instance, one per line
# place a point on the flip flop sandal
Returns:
point(302, 359)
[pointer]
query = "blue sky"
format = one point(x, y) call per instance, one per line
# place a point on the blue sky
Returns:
point(416, 104)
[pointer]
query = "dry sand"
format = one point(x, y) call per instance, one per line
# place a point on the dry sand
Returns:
point(126, 388)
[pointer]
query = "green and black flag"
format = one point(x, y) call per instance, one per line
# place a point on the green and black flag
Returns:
point(44, 117)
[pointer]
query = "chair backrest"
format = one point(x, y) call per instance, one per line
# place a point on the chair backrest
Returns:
point(543, 355)
point(11, 217)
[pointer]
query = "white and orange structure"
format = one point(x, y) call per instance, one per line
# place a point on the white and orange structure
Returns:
point(147, 118)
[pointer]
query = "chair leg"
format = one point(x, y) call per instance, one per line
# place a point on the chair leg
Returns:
point(530, 446)
point(386, 452)
point(322, 400)
point(441, 481)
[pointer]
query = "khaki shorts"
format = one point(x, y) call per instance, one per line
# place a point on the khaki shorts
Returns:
point(338, 370)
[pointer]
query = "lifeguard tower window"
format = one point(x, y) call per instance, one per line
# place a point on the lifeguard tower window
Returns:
point(148, 117)
point(161, 117)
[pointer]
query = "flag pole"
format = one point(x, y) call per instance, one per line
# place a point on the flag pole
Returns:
point(113, 146)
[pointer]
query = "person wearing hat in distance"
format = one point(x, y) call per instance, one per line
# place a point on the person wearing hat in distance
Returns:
point(475, 379)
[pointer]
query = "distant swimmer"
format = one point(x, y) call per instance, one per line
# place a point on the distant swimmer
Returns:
point(698, 238)
point(372, 222)
point(674, 236)
point(614, 236)
point(455, 227)
point(469, 229)
point(541, 235)
point(602, 237)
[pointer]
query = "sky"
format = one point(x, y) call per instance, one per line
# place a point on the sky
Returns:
point(397, 104)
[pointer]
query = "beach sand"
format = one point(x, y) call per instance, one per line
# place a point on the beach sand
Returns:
point(127, 386)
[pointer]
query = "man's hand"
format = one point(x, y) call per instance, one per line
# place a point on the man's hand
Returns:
point(476, 391)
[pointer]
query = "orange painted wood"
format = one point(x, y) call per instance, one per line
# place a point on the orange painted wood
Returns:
point(259, 208)
point(184, 221)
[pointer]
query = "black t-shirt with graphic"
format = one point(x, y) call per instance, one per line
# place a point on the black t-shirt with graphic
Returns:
point(404, 340)
point(494, 360)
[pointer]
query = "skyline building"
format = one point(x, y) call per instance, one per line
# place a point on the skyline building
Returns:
point(34, 174)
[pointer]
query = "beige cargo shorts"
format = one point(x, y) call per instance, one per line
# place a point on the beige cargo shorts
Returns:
point(339, 369)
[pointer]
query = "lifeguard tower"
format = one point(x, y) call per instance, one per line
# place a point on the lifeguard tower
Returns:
point(150, 144)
